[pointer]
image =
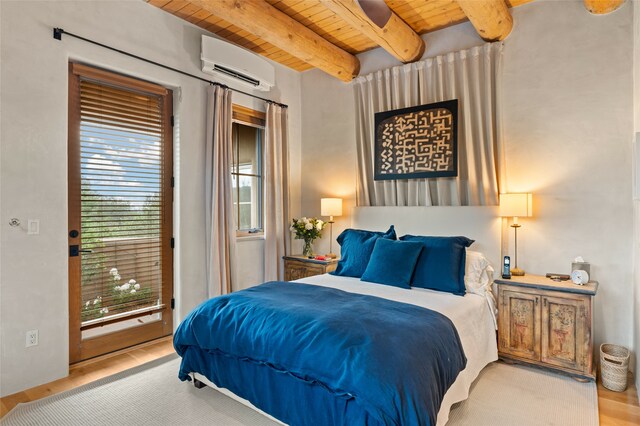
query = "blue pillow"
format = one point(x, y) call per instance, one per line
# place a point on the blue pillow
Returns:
point(441, 263)
point(356, 246)
point(392, 262)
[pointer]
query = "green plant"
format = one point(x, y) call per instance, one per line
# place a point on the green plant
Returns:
point(128, 294)
point(93, 309)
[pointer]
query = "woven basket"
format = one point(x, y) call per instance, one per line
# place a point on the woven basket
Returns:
point(614, 366)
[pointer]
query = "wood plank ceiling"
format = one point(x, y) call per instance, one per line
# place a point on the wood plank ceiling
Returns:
point(421, 15)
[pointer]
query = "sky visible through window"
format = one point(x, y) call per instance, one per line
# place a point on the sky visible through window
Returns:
point(114, 159)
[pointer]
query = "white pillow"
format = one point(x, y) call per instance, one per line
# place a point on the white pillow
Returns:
point(478, 273)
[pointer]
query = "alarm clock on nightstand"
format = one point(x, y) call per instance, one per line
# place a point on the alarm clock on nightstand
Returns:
point(579, 277)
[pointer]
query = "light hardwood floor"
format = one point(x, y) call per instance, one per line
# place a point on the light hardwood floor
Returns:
point(92, 370)
point(616, 409)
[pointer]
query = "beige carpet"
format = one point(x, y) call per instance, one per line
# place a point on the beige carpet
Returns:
point(152, 394)
point(526, 396)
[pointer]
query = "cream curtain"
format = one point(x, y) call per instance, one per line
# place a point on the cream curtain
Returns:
point(473, 77)
point(220, 226)
point(276, 192)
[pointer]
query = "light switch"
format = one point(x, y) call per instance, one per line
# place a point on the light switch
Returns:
point(33, 227)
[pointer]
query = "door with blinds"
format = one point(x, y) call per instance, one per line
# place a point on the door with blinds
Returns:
point(120, 212)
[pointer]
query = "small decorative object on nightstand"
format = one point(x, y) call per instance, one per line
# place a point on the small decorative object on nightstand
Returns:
point(547, 323)
point(298, 266)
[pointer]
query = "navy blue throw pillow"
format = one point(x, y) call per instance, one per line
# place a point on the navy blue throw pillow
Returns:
point(392, 262)
point(356, 246)
point(441, 263)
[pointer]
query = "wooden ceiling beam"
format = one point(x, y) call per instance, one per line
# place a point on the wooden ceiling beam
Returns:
point(600, 7)
point(491, 18)
point(275, 27)
point(394, 35)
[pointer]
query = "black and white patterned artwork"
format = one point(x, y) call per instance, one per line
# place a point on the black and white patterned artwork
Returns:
point(417, 142)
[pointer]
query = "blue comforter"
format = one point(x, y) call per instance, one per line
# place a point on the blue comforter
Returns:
point(394, 360)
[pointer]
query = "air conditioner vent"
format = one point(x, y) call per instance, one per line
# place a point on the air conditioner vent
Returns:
point(236, 65)
point(237, 75)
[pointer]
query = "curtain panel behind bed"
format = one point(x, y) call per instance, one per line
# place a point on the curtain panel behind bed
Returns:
point(473, 77)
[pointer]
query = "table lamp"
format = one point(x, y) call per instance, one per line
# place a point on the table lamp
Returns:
point(331, 207)
point(516, 205)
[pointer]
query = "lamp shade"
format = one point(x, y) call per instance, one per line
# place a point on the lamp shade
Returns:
point(516, 205)
point(331, 206)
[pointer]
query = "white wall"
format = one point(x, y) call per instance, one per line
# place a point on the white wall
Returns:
point(33, 85)
point(568, 126)
point(636, 203)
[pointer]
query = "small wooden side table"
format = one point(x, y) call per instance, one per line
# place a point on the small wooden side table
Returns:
point(547, 323)
point(298, 266)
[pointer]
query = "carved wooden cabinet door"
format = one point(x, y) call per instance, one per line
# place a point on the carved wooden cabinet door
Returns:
point(547, 323)
point(566, 332)
point(296, 271)
point(520, 324)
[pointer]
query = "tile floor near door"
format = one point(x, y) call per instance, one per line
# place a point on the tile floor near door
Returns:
point(616, 409)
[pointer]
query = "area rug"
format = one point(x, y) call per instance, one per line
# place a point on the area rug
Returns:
point(152, 394)
point(526, 396)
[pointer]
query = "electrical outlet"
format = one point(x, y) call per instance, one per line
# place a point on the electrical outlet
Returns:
point(32, 338)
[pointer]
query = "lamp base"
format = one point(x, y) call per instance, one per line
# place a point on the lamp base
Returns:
point(331, 255)
point(517, 272)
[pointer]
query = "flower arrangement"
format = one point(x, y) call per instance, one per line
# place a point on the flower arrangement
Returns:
point(307, 229)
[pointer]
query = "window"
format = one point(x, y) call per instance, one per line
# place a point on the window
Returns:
point(247, 171)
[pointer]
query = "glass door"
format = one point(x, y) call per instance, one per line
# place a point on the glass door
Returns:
point(120, 212)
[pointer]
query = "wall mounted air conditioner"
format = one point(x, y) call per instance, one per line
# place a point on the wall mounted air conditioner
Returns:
point(236, 64)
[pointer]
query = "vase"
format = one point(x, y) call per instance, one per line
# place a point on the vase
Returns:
point(307, 250)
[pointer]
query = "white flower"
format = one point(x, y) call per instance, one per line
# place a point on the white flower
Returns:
point(117, 288)
point(132, 291)
point(132, 282)
point(95, 302)
point(308, 226)
point(319, 226)
point(292, 229)
point(113, 271)
point(116, 277)
point(104, 310)
point(87, 304)
point(137, 286)
point(304, 219)
point(126, 286)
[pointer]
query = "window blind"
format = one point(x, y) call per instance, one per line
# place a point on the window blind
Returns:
point(122, 161)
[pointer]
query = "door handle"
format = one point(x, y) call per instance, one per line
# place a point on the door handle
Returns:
point(75, 250)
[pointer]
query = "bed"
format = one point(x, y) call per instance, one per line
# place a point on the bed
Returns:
point(288, 389)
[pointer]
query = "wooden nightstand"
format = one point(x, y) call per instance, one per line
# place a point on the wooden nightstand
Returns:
point(547, 323)
point(298, 266)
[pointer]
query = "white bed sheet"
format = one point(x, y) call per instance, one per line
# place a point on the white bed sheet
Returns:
point(471, 315)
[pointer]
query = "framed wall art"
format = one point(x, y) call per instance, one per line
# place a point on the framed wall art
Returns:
point(417, 142)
